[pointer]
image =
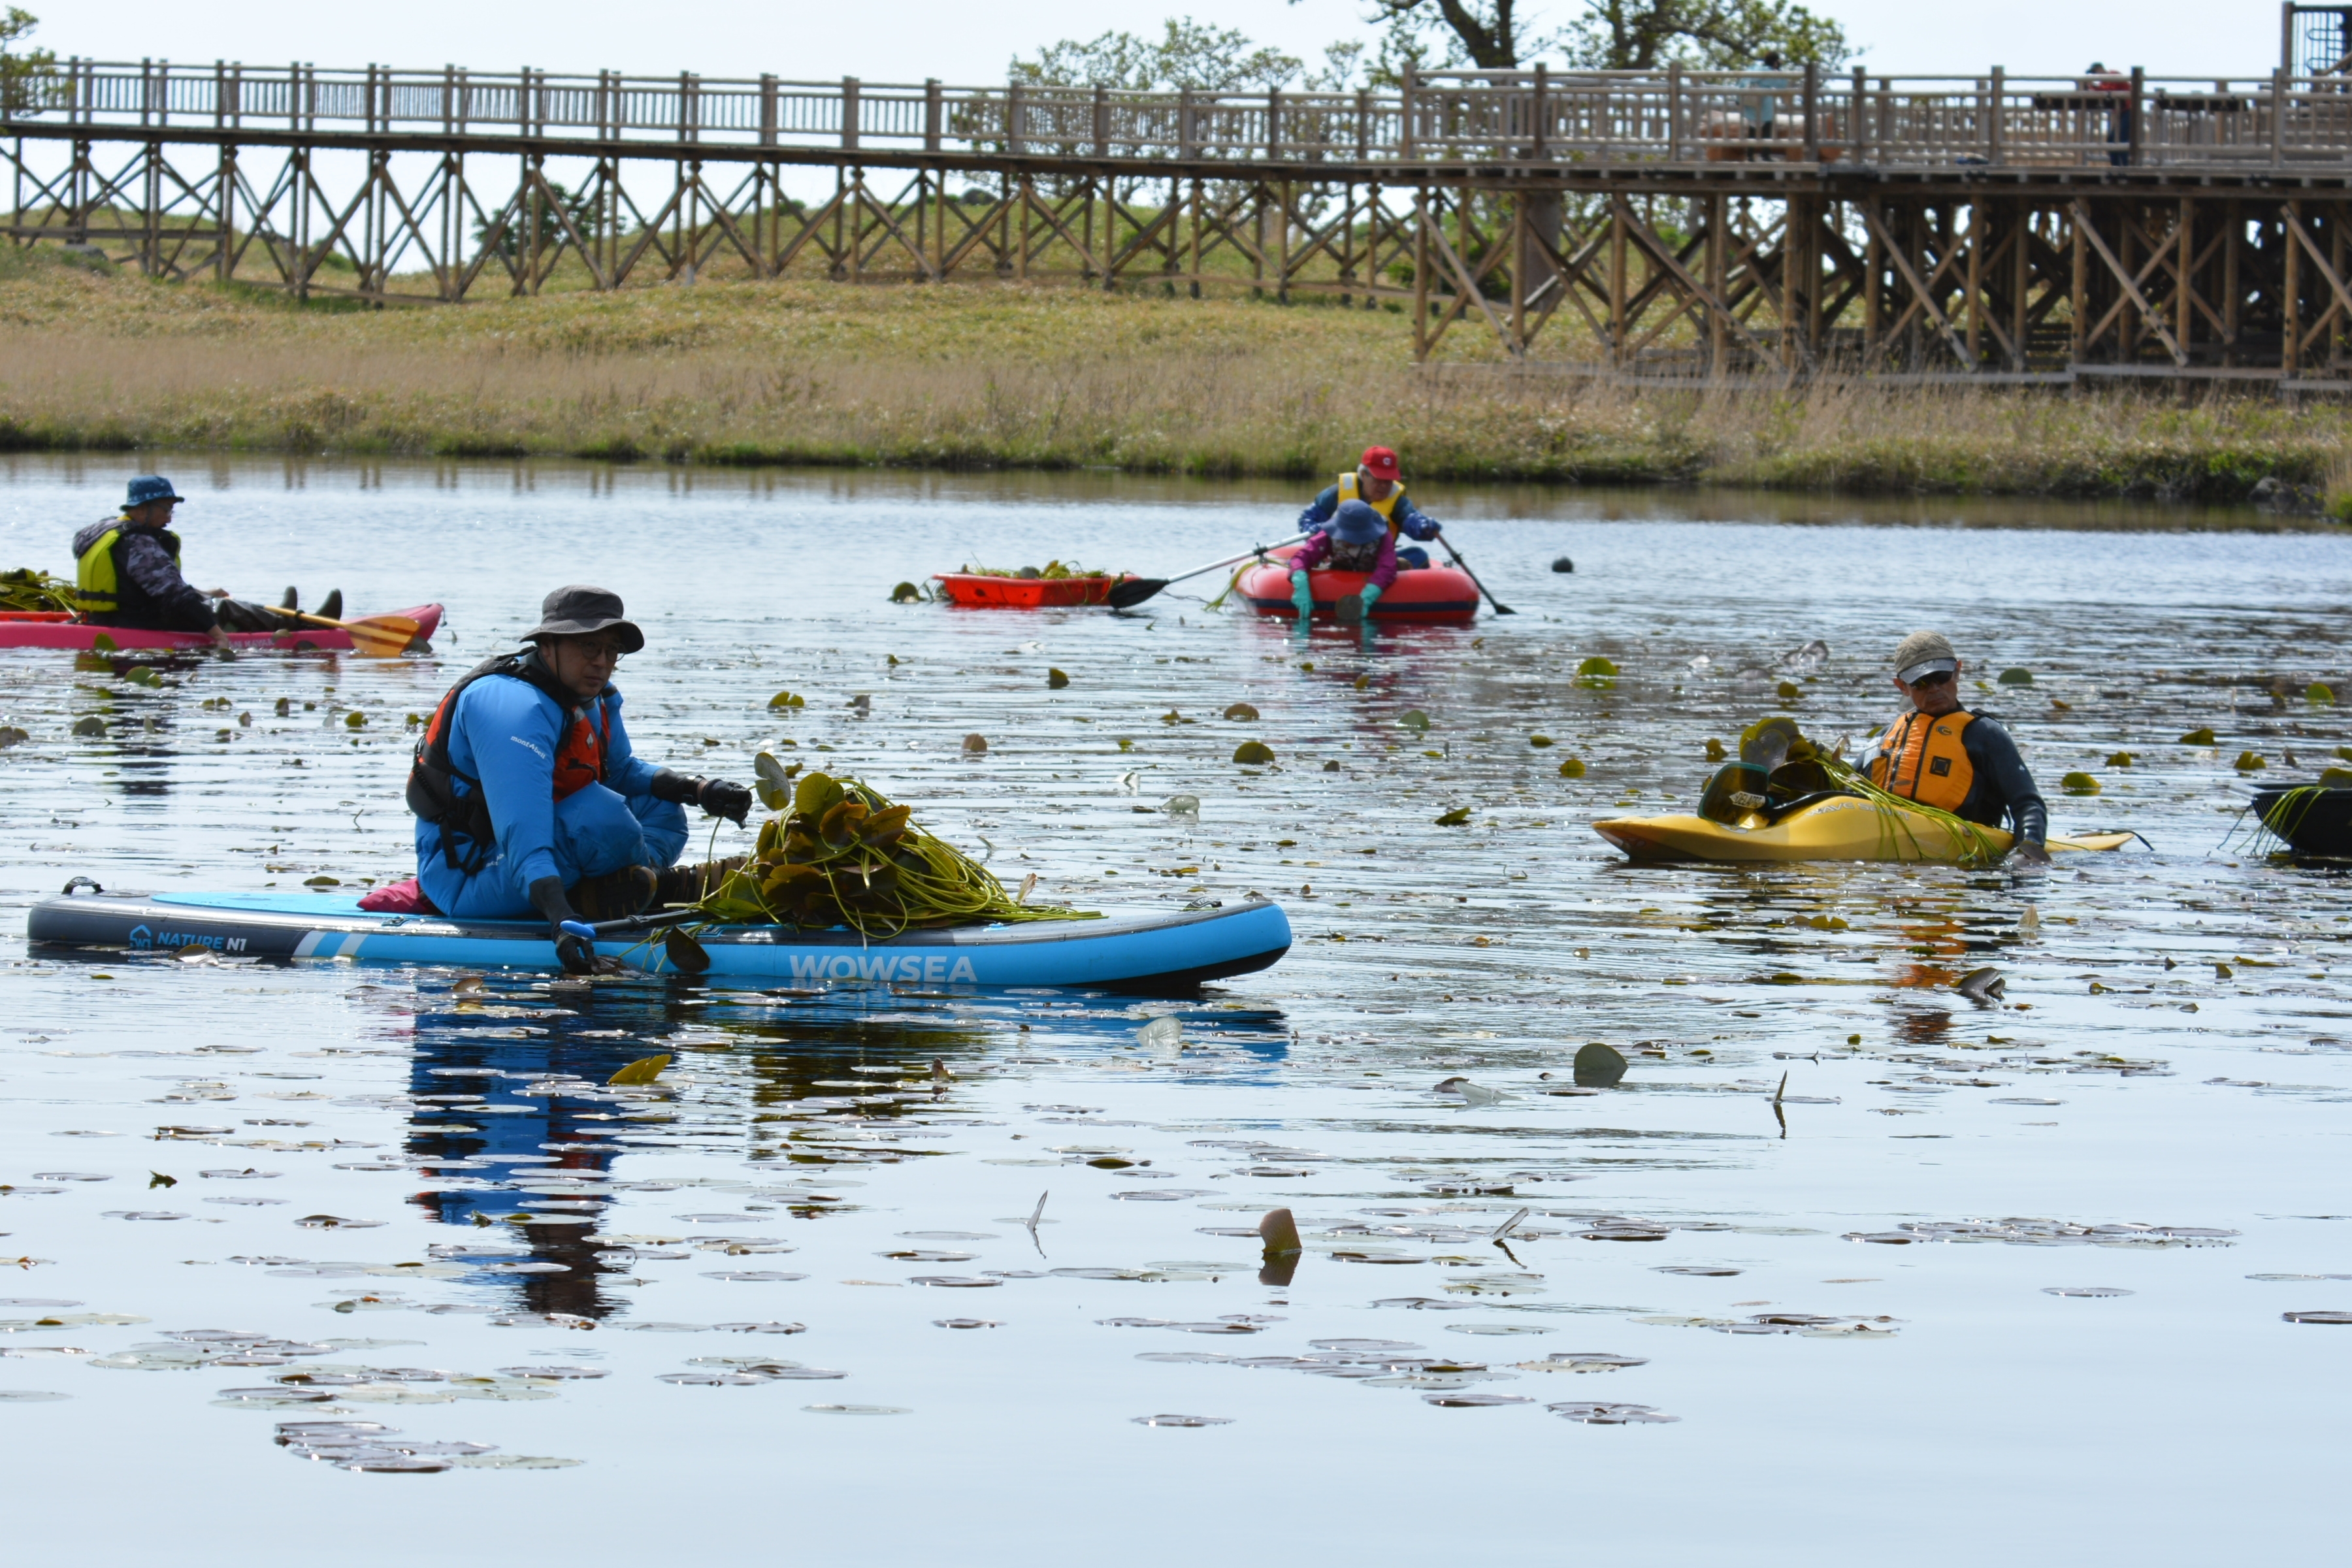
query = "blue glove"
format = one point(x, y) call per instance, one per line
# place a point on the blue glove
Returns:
point(1302, 595)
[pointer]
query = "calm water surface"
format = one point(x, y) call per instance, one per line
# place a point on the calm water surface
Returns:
point(2157, 1112)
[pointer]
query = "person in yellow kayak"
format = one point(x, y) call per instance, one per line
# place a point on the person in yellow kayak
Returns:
point(127, 573)
point(1940, 754)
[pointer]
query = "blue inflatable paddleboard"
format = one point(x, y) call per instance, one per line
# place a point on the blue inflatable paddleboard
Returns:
point(1146, 949)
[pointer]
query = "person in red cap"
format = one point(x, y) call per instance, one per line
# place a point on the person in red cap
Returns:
point(1378, 482)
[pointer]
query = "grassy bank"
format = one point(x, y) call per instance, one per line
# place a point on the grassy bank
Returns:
point(1046, 376)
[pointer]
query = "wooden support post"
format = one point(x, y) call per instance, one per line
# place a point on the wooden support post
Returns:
point(1812, 101)
point(1718, 253)
point(2184, 310)
point(2233, 239)
point(2021, 280)
point(1674, 112)
point(1992, 117)
point(1195, 266)
point(850, 113)
point(1617, 259)
point(1421, 219)
point(1028, 209)
point(2079, 306)
point(1873, 284)
point(2291, 301)
point(1519, 271)
point(1978, 236)
point(1857, 125)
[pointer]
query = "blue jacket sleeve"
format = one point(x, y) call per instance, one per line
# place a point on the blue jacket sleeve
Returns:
point(1319, 511)
point(624, 771)
point(152, 571)
point(1416, 523)
point(507, 736)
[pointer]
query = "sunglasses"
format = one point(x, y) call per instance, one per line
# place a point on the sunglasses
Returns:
point(1933, 677)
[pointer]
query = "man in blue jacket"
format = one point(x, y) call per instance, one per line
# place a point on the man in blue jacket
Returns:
point(529, 798)
point(1378, 482)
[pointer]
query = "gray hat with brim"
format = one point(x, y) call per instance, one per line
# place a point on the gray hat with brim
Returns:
point(578, 610)
point(1924, 653)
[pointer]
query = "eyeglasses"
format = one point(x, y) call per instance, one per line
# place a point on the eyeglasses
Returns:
point(1933, 677)
point(600, 652)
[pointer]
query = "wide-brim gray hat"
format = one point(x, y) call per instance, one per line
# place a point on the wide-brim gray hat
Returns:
point(578, 609)
point(1924, 653)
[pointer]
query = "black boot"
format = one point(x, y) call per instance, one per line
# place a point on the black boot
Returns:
point(615, 895)
point(292, 601)
point(332, 607)
point(692, 884)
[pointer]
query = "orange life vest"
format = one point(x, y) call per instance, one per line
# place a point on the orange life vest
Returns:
point(1923, 759)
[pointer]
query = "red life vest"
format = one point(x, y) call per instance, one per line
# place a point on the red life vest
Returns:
point(580, 762)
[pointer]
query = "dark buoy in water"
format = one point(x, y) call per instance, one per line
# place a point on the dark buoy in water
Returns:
point(1563, 564)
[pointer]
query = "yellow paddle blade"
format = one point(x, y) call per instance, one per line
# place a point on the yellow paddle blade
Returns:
point(382, 636)
point(645, 1069)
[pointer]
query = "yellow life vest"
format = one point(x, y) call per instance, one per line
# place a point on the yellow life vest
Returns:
point(97, 590)
point(1387, 509)
point(1924, 759)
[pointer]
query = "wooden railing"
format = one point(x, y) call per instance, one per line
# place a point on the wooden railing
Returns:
point(1516, 119)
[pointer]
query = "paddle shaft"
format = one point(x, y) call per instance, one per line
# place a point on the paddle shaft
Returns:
point(1500, 608)
point(631, 923)
point(1151, 587)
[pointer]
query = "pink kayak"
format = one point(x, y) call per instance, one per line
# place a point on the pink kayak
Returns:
point(33, 628)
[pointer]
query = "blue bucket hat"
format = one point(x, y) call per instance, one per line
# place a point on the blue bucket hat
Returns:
point(151, 487)
point(1358, 523)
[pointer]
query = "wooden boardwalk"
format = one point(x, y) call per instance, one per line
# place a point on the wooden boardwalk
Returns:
point(1673, 224)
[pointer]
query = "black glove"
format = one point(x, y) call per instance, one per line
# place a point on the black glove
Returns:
point(716, 797)
point(576, 952)
point(720, 797)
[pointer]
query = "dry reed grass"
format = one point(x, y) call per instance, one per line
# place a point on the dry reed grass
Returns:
point(1042, 376)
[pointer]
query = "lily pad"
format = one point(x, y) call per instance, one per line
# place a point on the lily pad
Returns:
point(2079, 784)
point(1253, 753)
point(2198, 738)
point(1572, 768)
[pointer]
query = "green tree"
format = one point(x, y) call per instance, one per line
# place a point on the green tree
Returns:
point(1610, 35)
point(22, 72)
point(1720, 35)
point(1186, 54)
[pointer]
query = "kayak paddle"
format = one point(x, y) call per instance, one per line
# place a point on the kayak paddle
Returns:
point(1500, 608)
point(1135, 590)
point(377, 637)
point(688, 955)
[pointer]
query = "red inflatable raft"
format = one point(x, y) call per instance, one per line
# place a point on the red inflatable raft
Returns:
point(977, 590)
point(50, 629)
point(1427, 593)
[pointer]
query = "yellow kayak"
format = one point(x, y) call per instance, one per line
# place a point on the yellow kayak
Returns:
point(1843, 827)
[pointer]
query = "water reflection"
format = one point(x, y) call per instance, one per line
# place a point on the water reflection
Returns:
point(518, 1131)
